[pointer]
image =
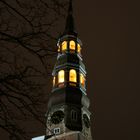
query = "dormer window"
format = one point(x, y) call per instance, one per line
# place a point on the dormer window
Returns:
point(72, 45)
point(56, 131)
point(72, 76)
point(61, 76)
point(82, 80)
point(64, 45)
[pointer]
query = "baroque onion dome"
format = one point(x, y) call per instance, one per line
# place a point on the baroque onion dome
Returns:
point(68, 103)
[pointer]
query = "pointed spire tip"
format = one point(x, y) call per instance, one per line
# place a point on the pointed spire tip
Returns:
point(70, 26)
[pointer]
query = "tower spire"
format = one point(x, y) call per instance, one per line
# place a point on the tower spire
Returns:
point(70, 10)
point(68, 116)
point(70, 26)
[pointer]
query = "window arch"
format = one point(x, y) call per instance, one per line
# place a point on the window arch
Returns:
point(72, 45)
point(64, 45)
point(72, 75)
point(61, 76)
point(82, 80)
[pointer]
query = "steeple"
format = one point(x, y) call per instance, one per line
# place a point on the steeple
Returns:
point(70, 26)
point(68, 116)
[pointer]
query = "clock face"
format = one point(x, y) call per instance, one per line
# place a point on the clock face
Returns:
point(86, 120)
point(57, 117)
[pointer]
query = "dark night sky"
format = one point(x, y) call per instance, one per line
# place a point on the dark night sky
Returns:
point(110, 32)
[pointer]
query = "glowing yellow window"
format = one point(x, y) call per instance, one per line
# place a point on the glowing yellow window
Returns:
point(82, 80)
point(73, 75)
point(78, 48)
point(64, 45)
point(72, 45)
point(61, 76)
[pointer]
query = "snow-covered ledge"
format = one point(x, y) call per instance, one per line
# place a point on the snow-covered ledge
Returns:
point(39, 138)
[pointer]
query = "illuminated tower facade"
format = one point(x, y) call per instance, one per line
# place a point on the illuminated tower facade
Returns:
point(68, 117)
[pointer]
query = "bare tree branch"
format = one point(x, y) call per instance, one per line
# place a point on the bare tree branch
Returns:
point(28, 34)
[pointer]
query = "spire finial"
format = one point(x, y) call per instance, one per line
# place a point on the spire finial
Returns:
point(70, 10)
point(70, 27)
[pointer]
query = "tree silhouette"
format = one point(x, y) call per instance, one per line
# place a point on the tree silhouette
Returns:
point(28, 33)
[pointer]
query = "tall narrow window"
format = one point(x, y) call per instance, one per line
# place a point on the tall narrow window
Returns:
point(61, 76)
point(72, 45)
point(82, 80)
point(64, 45)
point(74, 115)
point(78, 48)
point(73, 75)
point(54, 81)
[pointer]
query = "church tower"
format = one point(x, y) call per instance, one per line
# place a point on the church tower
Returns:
point(68, 117)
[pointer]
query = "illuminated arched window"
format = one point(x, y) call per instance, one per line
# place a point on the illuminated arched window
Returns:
point(64, 45)
point(54, 81)
point(82, 80)
point(72, 76)
point(72, 45)
point(78, 48)
point(61, 76)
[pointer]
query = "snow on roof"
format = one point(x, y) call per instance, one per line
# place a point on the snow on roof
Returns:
point(39, 138)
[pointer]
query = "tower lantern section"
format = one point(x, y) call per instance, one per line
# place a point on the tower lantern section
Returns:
point(69, 69)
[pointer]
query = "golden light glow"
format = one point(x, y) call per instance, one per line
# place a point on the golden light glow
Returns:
point(78, 48)
point(82, 80)
point(72, 45)
point(61, 76)
point(73, 75)
point(54, 81)
point(58, 48)
point(64, 45)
